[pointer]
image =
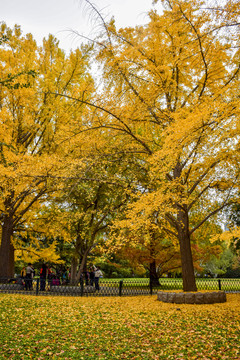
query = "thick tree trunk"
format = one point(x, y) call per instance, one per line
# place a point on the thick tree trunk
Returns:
point(182, 227)
point(153, 274)
point(82, 265)
point(7, 250)
point(189, 282)
point(75, 261)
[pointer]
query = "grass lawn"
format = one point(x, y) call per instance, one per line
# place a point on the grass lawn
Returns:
point(117, 328)
point(174, 283)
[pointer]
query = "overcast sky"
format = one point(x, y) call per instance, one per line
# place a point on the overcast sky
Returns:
point(41, 17)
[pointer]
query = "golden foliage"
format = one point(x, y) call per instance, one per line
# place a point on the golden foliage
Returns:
point(39, 130)
point(132, 327)
point(171, 99)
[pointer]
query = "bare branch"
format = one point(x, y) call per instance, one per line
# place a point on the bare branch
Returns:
point(125, 128)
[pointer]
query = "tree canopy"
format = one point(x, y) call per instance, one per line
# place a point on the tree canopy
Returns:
point(163, 127)
point(170, 99)
point(36, 129)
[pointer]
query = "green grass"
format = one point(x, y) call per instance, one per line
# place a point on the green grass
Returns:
point(176, 283)
point(139, 328)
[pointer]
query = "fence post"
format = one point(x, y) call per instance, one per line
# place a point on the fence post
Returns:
point(219, 284)
point(120, 287)
point(37, 286)
point(151, 287)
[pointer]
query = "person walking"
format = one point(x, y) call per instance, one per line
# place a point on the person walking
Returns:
point(97, 275)
point(86, 275)
point(29, 276)
point(66, 277)
point(43, 276)
point(23, 273)
point(92, 275)
point(23, 277)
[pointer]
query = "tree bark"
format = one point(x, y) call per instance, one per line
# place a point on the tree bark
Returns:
point(153, 274)
point(7, 249)
point(184, 238)
point(83, 264)
point(189, 282)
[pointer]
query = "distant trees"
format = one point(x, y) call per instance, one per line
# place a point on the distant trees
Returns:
point(83, 213)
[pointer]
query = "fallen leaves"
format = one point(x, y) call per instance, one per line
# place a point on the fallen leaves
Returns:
point(117, 328)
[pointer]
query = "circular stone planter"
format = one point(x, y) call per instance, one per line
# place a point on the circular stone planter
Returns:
point(210, 297)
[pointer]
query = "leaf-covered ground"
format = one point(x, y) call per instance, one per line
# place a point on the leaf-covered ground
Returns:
point(117, 328)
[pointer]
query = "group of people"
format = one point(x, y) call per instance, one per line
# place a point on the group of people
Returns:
point(46, 273)
point(90, 277)
point(27, 275)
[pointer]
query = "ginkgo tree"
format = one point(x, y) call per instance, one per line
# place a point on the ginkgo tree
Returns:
point(171, 97)
point(37, 129)
point(142, 240)
point(87, 205)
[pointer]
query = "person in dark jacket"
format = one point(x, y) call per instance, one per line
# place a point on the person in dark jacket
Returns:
point(43, 276)
point(92, 275)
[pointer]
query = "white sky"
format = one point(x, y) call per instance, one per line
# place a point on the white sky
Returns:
point(41, 17)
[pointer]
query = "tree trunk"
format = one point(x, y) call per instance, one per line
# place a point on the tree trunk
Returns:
point(7, 250)
point(153, 274)
point(82, 265)
point(189, 282)
point(182, 227)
